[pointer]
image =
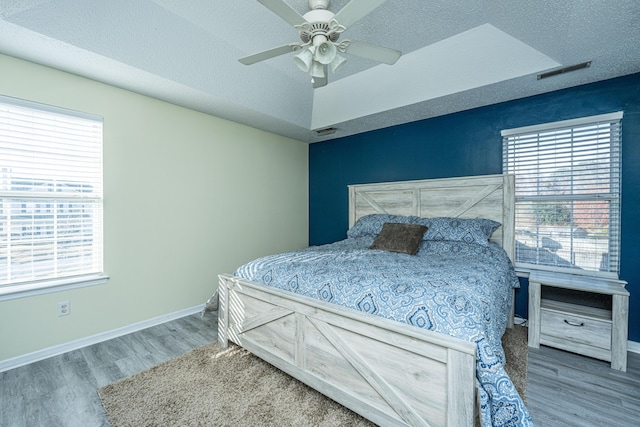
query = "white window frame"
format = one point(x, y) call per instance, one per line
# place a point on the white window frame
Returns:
point(510, 165)
point(50, 198)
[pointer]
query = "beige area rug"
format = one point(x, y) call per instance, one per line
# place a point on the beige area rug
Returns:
point(516, 350)
point(210, 387)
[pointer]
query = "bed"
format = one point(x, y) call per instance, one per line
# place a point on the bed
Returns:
point(387, 371)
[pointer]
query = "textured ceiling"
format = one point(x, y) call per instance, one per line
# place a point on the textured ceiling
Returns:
point(457, 55)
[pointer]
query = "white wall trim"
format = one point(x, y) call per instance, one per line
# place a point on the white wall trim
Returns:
point(52, 285)
point(35, 356)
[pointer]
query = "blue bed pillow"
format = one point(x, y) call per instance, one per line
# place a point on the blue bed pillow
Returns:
point(371, 225)
point(469, 230)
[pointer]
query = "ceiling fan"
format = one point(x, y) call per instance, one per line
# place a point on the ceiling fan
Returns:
point(319, 31)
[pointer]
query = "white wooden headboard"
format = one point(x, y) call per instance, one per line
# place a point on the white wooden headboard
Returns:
point(484, 196)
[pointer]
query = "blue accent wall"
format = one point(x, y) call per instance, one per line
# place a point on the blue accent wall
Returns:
point(469, 143)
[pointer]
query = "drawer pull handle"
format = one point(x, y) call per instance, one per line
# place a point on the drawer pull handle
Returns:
point(573, 323)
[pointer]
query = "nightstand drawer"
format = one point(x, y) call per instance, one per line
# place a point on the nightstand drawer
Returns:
point(589, 316)
point(573, 329)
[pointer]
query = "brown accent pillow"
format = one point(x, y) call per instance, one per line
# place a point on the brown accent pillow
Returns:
point(396, 237)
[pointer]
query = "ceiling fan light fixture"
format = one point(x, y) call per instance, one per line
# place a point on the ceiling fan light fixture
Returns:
point(325, 52)
point(304, 60)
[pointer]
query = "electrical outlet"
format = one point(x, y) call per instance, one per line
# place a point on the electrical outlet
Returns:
point(64, 308)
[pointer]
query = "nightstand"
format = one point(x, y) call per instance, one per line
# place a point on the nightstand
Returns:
point(585, 315)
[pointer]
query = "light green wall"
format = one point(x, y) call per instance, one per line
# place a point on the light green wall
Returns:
point(187, 196)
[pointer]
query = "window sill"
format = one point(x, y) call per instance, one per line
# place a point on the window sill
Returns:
point(48, 286)
point(522, 271)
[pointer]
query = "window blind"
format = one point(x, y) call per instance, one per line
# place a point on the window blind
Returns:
point(567, 193)
point(50, 192)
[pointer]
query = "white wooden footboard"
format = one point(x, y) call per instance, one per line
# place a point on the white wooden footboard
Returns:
point(387, 372)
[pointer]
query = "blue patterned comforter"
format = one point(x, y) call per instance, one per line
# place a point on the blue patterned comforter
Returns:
point(456, 288)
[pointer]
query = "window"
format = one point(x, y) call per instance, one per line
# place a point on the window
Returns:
point(50, 195)
point(567, 194)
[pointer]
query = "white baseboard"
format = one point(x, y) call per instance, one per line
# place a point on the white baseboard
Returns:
point(35, 356)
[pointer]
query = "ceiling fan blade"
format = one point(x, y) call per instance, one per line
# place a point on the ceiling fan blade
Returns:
point(355, 10)
point(268, 54)
point(376, 53)
point(284, 11)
